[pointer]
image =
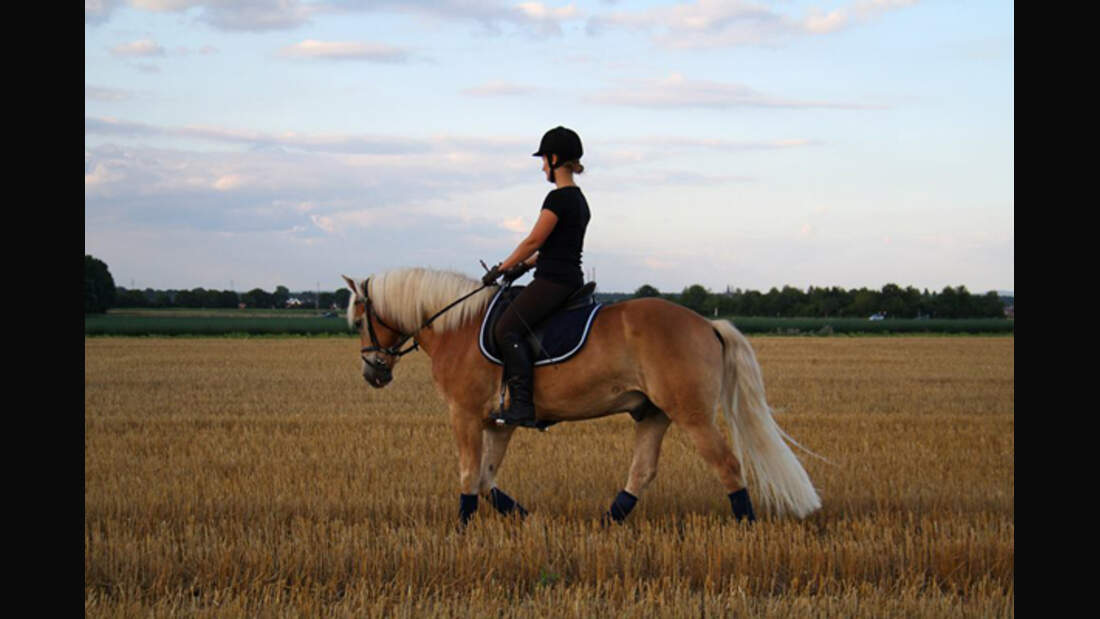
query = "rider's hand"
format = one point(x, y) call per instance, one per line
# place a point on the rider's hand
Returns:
point(491, 277)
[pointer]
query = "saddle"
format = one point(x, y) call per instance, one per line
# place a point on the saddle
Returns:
point(556, 339)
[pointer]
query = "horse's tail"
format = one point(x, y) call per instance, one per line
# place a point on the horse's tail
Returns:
point(780, 482)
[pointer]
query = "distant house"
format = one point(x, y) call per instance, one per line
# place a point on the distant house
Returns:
point(293, 302)
point(1010, 311)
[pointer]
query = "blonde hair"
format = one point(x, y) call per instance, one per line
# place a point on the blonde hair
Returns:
point(573, 166)
point(405, 298)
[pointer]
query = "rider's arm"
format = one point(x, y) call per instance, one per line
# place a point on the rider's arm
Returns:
point(528, 246)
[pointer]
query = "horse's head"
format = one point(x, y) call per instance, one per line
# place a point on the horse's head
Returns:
point(379, 343)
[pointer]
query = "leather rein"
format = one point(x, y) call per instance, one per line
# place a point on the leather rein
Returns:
point(395, 350)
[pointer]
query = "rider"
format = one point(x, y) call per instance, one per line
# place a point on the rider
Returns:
point(554, 249)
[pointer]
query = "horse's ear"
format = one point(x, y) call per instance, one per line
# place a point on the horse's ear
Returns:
point(351, 284)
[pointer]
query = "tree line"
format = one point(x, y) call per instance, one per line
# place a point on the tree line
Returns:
point(210, 298)
point(891, 300)
point(834, 302)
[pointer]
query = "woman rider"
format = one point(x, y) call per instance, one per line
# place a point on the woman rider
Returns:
point(554, 249)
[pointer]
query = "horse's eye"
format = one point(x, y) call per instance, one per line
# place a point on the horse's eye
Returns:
point(358, 323)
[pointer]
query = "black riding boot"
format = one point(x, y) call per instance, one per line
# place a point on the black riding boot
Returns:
point(519, 371)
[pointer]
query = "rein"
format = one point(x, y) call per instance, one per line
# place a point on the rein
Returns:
point(395, 350)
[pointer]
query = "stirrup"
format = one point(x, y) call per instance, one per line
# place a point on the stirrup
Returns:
point(499, 420)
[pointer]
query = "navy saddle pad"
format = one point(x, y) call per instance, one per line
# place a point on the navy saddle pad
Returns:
point(557, 338)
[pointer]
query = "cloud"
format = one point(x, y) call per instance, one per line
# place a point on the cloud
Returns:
point(98, 11)
point(142, 48)
point(452, 147)
point(500, 89)
point(229, 182)
point(547, 20)
point(345, 50)
point(722, 144)
point(258, 15)
point(270, 15)
point(254, 15)
point(515, 224)
point(729, 23)
point(676, 91)
point(266, 189)
point(94, 93)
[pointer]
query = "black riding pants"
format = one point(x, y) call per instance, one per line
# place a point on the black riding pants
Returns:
point(538, 300)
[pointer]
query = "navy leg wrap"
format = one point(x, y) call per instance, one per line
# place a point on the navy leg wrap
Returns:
point(467, 505)
point(506, 504)
point(620, 509)
point(742, 506)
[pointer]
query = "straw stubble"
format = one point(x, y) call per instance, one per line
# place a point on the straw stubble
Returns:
point(264, 477)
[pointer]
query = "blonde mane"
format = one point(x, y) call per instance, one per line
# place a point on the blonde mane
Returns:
point(406, 298)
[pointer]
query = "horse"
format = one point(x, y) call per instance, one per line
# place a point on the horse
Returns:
point(656, 360)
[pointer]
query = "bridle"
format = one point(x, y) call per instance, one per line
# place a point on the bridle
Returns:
point(376, 346)
point(395, 350)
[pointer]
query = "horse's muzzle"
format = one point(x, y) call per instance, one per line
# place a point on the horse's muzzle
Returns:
point(377, 373)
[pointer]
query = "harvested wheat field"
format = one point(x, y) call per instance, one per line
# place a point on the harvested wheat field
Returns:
point(263, 477)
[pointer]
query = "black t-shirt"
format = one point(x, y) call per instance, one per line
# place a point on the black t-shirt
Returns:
point(560, 256)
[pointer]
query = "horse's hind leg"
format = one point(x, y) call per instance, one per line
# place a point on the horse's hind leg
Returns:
point(716, 451)
point(648, 434)
point(494, 446)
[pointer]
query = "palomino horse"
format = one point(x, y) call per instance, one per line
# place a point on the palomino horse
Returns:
point(659, 361)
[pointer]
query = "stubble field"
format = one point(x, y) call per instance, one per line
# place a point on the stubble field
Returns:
point(263, 477)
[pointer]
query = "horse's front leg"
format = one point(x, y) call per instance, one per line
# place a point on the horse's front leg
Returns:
point(467, 427)
point(494, 446)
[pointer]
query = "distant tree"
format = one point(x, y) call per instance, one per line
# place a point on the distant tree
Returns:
point(646, 291)
point(99, 286)
point(769, 303)
point(914, 303)
point(989, 305)
point(343, 295)
point(947, 304)
point(790, 301)
point(257, 297)
point(827, 302)
point(184, 298)
point(864, 303)
point(752, 304)
point(892, 301)
point(228, 298)
point(280, 296)
point(695, 297)
point(129, 298)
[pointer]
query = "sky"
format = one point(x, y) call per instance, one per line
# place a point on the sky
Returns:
point(728, 143)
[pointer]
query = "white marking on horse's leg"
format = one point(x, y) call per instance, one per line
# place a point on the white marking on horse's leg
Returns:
point(648, 435)
point(467, 429)
point(494, 446)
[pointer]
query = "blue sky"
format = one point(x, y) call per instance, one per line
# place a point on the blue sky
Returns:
point(727, 143)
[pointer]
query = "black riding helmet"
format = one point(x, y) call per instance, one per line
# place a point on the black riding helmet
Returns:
point(565, 143)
